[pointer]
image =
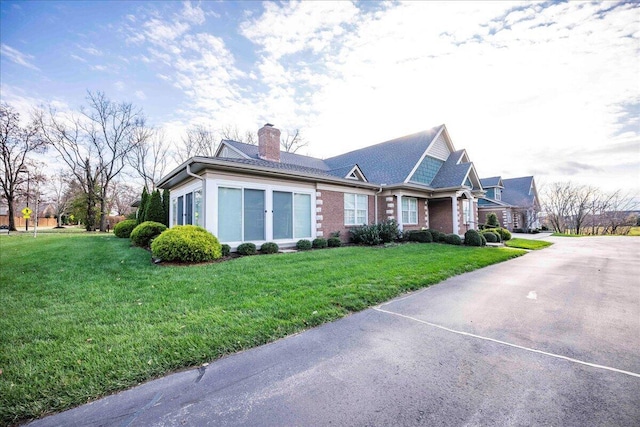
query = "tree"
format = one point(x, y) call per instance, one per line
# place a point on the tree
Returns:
point(492, 220)
point(122, 197)
point(58, 186)
point(166, 205)
point(144, 201)
point(558, 199)
point(199, 141)
point(293, 141)
point(234, 134)
point(149, 156)
point(95, 146)
point(16, 143)
point(154, 210)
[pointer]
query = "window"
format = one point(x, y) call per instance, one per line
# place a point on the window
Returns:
point(197, 207)
point(181, 210)
point(229, 214)
point(291, 215)
point(466, 210)
point(174, 212)
point(302, 215)
point(498, 194)
point(355, 209)
point(253, 214)
point(409, 210)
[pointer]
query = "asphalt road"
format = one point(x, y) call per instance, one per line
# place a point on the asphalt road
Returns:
point(551, 338)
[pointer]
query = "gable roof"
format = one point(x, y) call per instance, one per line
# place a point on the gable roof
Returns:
point(390, 162)
point(519, 191)
point(251, 152)
point(494, 181)
point(452, 173)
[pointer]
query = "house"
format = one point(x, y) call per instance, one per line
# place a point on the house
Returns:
point(258, 193)
point(514, 201)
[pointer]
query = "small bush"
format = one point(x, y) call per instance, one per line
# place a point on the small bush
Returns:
point(186, 243)
point(452, 239)
point(319, 243)
point(375, 234)
point(484, 241)
point(502, 232)
point(226, 250)
point(436, 236)
point(473, 238)
point(334, 242)
point(124, 228)
point(388, 231)
point(303, 245)
point(492, 220)
point(247, 249)
point(269, 248)
point(145, 232)
point(490, 236)
point(422, 236)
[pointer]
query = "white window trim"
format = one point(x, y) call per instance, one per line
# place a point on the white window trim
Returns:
point(192, 187)
point(356, 209)
point(409, 211)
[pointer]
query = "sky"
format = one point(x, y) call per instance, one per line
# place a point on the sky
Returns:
point(550, 89)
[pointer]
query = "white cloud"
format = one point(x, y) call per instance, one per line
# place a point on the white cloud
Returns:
point(18, 57)
point(90, 50)
point(192, 14)
point(99, 67)
point(119, 85)
point(140, 95)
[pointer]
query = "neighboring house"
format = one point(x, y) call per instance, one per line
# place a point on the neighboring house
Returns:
point(515, 202)
point(257, 193)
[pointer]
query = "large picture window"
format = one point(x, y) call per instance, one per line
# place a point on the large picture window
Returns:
point(409, 210)
point(355, 209)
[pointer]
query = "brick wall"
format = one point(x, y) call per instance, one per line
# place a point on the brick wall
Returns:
point(330, 213)
point(440, 215)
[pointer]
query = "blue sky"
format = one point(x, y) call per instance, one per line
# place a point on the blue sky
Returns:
point(549, 88)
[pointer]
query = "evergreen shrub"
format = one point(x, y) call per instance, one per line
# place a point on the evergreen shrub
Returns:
point(319, 243)
point(492, 220)
point(186, 243)
point(452, 239)
point(145, 232)
point(421, 236)
point(334, 242)
point(269, 248)
point(247, 249)
point(226, 249)
point(303, 245)
point(124, 228)
point(473, 238)
point(436, 235)
point(490, 236)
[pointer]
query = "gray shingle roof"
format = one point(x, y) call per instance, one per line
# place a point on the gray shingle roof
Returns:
point(451, 174)
point(494, 181)
point(279, 165)
point(389, 162)
point(516, 191)
point(289, 158)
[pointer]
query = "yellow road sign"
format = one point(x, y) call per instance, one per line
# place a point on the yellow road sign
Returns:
point(26, 213)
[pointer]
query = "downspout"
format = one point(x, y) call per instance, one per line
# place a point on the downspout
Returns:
point(375, 203)
point(204, 194)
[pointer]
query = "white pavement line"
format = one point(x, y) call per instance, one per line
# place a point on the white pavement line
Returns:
point(533, 350)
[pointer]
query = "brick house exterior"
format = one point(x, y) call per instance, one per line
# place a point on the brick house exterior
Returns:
point(514, 201)
point(258, 193)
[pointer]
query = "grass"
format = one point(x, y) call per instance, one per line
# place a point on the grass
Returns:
point(567, 235)
point(85, 315)
point(635, 231)
point(527, 244)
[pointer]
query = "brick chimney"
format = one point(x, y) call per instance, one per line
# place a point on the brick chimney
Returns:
point(269, 143)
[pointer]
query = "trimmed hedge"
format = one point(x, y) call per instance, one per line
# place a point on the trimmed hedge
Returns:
point(186, 243)
point(452, 239)
point(375, 234)
point(319, 243)
point(124, 228)
point(269, 248)
point(421, 236)
point(226, 249)
point(145, 232)
point(436, 235)
point(303, 245)
point(490, 236)
point(247, 249)
point(473, 238)
point(334, 242)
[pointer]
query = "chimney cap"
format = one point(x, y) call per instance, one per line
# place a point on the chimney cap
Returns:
point(268, 124)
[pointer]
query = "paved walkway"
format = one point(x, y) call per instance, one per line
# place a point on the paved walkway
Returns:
point(550, 338)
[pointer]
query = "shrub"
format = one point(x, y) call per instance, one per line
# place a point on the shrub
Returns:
point(334, 242)
point(504, 233)
point(154, 210)
point(388, 231)
point(490, 236)
point(186, 243)
point(124, 228)
point(145, 232)
point(492, 220)
point(319, 243)
point(436, 236)
point(303, 245)
point(452, 239)
point(143, 205)
point(226, 249)
point(483, 240)
point(269, 248)
point(472, 238)
point(422, 236)
point(247, 249)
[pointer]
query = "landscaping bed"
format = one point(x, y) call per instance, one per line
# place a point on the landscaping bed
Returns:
point(85, 315)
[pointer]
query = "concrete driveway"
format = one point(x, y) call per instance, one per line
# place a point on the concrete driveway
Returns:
point(551, 338)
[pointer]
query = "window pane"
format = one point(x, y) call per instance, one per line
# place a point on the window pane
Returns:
point(188, 208)
point(253, 215)
point(349, 217)
point(197, 202)
point(362, 201)
point(229, 214)
point(349, 201)
point(405, 204)
point(361, 217)
point(302, 203)
point(174, 212)
point(180, 210)
point(282, 215)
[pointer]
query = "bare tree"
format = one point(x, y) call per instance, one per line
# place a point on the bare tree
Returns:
point(558, 199)
point(234, 134)
point(58, 186)
point(199, 141)
point(581, 206)
point(149, 156)
point(95, 146)
point(293, 141)
point(122, 197)
point(16, 143)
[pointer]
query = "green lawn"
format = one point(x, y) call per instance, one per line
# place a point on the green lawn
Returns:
point(567, 235)
point(85, 315)
point(527, 244)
